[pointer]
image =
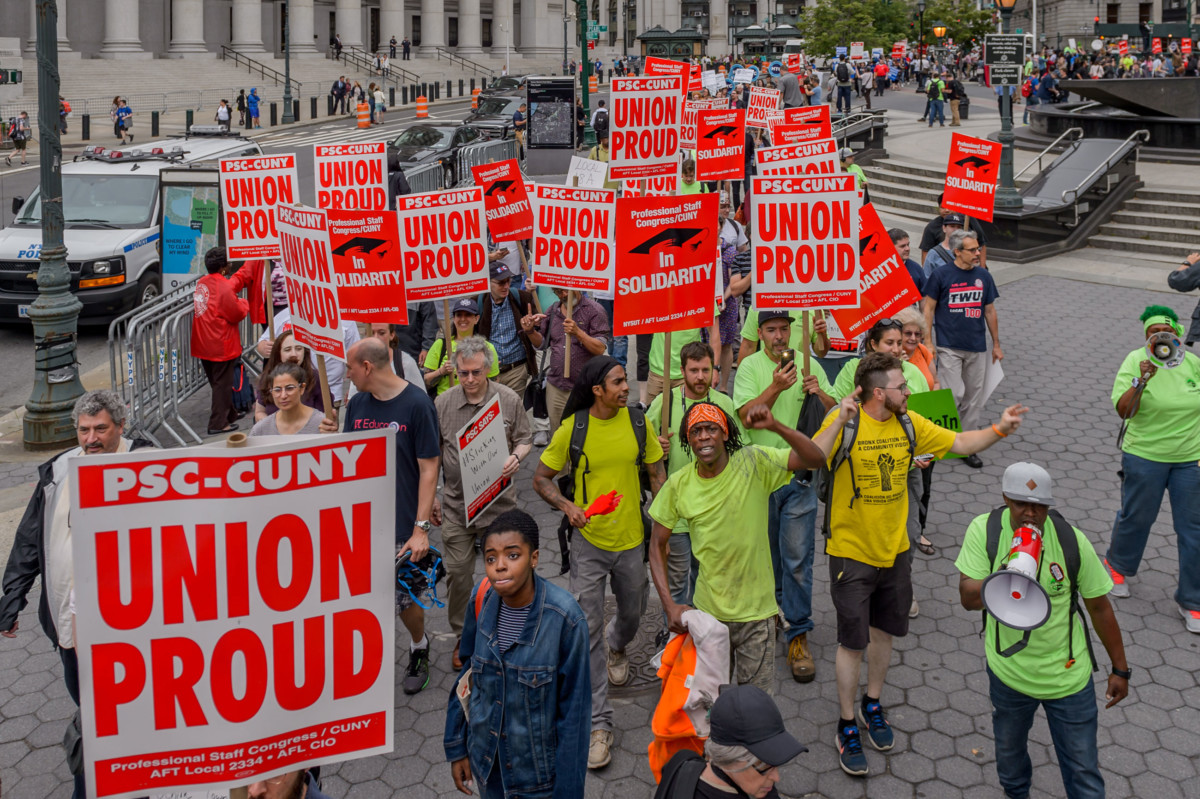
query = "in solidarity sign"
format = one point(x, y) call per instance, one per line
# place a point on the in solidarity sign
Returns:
point(971, 176)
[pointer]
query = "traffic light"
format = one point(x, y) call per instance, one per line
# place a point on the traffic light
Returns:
point(1097, 22)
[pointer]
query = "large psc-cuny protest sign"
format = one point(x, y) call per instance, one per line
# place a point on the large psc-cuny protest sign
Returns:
point(884, 283)
point(687, 129)
point(971, 176)
point(805, 238)
point(482, 452)
point(762, 101)
point(645, 127)
point(351, 177)
point(311, 285)
point(818, 157)
point(443, 245)
point(783, 133)
point(721, 145)
point(666, 276)
point(505, 203)
point(250, 190)
point(654, 67)
point(366, 263)
point(234, 610)
point(574, 234)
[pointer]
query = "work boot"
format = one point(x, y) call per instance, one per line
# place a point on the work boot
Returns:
point(801, 660)
point(618, 667)
point(599, 755)
point(455, 660)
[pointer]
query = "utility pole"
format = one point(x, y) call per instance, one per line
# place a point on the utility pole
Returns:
point(581, 15)
point(1007, 195)
point(288, 117)
point(55, 313)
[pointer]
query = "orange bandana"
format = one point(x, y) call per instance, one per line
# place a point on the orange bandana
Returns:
point(707, 412)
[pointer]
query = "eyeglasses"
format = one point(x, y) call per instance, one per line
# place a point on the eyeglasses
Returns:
point(469, 373)
point(762, 768)
point(288, 389)
point(902, 388)
point(971, 249)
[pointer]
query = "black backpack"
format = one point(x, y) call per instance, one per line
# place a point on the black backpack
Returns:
point(681, 775)
point(601, 123)
point(934, 92)
point(849, 434)
point(843, 72)
point(243, 389)
point(1070, 548)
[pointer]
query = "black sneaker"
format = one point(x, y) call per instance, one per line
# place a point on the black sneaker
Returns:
point(879, 732)
point(850, 752)
point(973, 461)
point(417, 675)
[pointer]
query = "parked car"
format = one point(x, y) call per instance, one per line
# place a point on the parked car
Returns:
point(436, 144)
point(495, 114)
point(507, 84)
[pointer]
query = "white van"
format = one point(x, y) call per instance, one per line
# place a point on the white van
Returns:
point(111, 231)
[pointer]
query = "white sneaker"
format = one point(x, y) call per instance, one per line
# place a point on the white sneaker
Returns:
point(618, 667)
point(1192, 617)
point(914, 609)
point(1120, 588)
point(541, 438)
point(599, 755)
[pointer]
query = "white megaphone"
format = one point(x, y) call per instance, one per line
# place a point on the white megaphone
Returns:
point(1165, 350)
point(1012, 593)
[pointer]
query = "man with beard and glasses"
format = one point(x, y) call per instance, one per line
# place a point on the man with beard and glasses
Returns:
point(729, 487)
point(868, 545)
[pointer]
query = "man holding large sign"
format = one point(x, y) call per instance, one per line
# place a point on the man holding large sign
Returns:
point(647, 113)
point(188, 630)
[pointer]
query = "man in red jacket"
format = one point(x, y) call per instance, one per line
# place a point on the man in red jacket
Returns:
point(215, 338)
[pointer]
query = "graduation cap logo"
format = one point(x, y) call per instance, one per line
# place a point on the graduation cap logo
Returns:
point(973, 161)
point(363, 245)
point(724, 130)
point(499, 187)
point(869, 243)
point(688, 239)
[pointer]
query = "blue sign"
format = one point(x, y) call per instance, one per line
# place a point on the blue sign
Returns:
point(776, 69)
point(841, 52)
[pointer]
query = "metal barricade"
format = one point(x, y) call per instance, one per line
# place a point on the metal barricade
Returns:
point(425, 178)
point(483, 153)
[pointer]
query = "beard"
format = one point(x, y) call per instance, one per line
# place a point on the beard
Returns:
point(896, 408)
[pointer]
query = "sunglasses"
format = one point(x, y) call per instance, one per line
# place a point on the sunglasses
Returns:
point(889, 323)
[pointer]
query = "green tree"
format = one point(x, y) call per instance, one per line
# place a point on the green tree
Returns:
point(965, 24)
point(831, 23)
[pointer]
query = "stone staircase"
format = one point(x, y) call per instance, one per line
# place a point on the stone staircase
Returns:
point(1155, 225)
point(905, 188)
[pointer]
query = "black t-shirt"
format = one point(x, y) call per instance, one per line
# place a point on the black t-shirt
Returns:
point(412, 415)
point(933, 234)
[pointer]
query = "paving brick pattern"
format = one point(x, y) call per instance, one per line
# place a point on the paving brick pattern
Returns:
point(1063, 342)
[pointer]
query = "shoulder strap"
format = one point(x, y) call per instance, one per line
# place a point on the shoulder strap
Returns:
point(579, 428)
point(637, 417)
point(1070, 548)
point(682, 780)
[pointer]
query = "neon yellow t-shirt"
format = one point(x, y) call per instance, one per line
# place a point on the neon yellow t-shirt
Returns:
point(1166, 427)
point(752, 379)
point(679, 339)
point(433, 360)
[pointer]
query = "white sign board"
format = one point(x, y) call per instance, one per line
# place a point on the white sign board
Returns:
point(482, 452)
point(585, 173)
point(311, 282)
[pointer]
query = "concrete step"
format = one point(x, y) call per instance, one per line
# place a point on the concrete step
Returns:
point(921, 170)
point(1151, 233)
point(884, 173)
point(1103, 254)
point(1135, 219)
point(1172, 196)
point(1174, 249)
point(1140, 205)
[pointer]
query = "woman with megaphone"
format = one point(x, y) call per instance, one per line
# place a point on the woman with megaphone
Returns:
point(1157, 395)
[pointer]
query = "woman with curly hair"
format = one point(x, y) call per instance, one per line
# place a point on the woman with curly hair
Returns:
point(287, 350)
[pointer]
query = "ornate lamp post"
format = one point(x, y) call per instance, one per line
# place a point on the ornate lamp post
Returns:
point(1007, 195)
point(288, 117)
point(589, 133)
point(921, 24)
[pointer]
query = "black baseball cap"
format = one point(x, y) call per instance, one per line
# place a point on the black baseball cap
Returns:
point(952, 219)
point(744, 715)
point(500, 271)
point(767, 316)
point(465, 304)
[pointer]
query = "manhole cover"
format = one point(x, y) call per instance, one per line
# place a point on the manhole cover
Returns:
point(643, 677)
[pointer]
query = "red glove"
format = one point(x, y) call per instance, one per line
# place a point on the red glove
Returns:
point(604, 504)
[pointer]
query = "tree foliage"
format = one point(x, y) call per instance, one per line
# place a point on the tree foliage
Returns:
point(881, 23)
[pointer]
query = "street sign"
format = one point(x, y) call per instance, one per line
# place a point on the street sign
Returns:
point(1003, 49)
point(604, 29)
point(1005, 75)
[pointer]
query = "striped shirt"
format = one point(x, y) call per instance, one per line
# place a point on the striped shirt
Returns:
point(509, 625)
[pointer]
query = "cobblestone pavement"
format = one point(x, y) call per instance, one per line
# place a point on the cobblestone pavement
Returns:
point(1063, 341)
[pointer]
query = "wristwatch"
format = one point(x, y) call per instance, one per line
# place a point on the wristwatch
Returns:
point(1125, 675)
point(423, 524)
point(1137, 382)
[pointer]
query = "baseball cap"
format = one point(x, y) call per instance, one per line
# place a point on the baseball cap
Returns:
point(1027, 482)
point(500, 271)
point(744, 715)
point(952, 219)
point(845, 153)
point(767, 316)
point(465, 304)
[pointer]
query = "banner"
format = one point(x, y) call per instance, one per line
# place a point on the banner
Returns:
point(1123, 47)
point(810, 115)
point(687, 130)
point(761, 101)
point(505, 203)
point(250, 190)
point(574, 234)
point(721, 145)
point(713, 82)
point(645, 132)
point(442, 244)
point(666, 276)
point(743, 75)
point(695, 79)
point(793, 62)
point(805, 242)
point(884, 283)
point(482, 452)
point(366, 264)
point(1156, 45)
point(938, 407)
point(351, 177)
point(655, 67)
point(308, 272)
point(1185, 46)
point(857, 51)
point(971, 176)
point(808, 158)
point(234, 610)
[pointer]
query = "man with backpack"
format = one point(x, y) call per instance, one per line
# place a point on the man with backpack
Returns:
point(19, 133)
point(1052, 665)
point(955, 94)
point(844, 80)
point(936, 94)
point(605, 446)
point(870, 450)
point(600, 120)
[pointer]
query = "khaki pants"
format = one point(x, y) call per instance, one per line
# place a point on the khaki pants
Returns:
point(954, 112)
point(752, 653)
point(963, 373)
point(458, 555)
point(654, 385)
point(516, 378)
point(556, 401)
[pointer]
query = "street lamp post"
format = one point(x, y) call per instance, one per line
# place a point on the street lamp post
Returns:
point(939, 31)
point(55, 313)
point(288, 116)
point(589, 133)
point(1007, 195)
point(921, 24)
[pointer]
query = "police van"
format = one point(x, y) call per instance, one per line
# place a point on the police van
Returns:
point(111, 232)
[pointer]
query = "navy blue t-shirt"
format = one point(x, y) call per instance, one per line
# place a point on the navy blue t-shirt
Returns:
point(916, 273)
point(411, 414)
point(961, 296)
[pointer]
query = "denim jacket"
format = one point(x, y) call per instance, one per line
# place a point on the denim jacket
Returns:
point(532, 706)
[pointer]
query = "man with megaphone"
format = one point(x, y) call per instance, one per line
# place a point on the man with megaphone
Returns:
point(1026, 567)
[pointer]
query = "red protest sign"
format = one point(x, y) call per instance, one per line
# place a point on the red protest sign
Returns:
point(795, 134)
point(1123, 47)
point(793, 62)
point(351, 177)
point(573, 238)
point(366, 263)
point(1185, 46)
point(971, 176)
point(762, 101)
point(807, 158)
point(655, 67)
point(645, 127)
point(696, 79)
point(687, 130)
point(505, 203)
point(884, 283)
point(442, 243)
point(250, 190)
point(233, 610)
point(666, 276)
point(805, 242)
point(1156, 45)
point(810, 115)
point(654, 187)
point(720, 145)
point(311, 287)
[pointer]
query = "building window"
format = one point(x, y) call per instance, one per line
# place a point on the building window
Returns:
point(453, 39)
point(1114, 13)
point(487, 33)
point(416, 30)
point(1145, 12)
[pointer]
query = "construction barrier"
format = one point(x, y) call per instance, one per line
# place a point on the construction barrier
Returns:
point(364, 115)
point(475, 98)
point(422, 108)
point(593, 86)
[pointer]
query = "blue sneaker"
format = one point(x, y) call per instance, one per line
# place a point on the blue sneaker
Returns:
point(879, 732)
point(850, 752)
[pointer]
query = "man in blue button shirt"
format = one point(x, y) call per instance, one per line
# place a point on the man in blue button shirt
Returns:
point(500, 313)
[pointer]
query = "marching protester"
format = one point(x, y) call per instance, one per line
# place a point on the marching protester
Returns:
point(439, 363)
point(403, 364)
point(42, 546)
point(501, 312)
point(883, 336)
point(1052, 665)
point(455, 408)
point(335, 370)
point(935, 233)
point(523, 728)
point(868, 543)
point(288, 384)
point(1186, 277)
point(388, 400)
point(940, 255)
point(616, 446)
point(903, 247)
point(287, 350)
point(215, 337)
point(1160, 451)
point(586, 330)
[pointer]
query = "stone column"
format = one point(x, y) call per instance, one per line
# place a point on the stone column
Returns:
point(64, 44)
point(391, 23)
point(246, 36)
point(121, 37)
point(530, 45)
point(349, 22)
point(187, 28)
point(433, 27)
point(470, 28)
point(301, 28)
point(502, 15)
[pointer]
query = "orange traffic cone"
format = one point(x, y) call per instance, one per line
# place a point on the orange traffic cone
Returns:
point(593, 86)
point(422, 108)
point(475, 98)
point(364, 115)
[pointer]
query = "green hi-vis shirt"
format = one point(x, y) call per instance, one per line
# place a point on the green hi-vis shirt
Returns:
point(844, 385)
point(727, 515)
point(1166, 428)
point(752, 379)
point(679, 339)
point(1038, 670)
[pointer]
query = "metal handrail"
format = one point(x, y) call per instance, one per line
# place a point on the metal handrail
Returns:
point(366, 61)
point(1143, 134)
point(1075, 133)
point(251, 65)
point(466, 63)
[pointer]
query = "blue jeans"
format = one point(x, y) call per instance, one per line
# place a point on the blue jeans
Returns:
point(1142, 490)
point(1029, 103)
point(619, 348)
point(791, 527)
point(1072, 721)
point(70, 664)
point(843, 93)
point(937, 108)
